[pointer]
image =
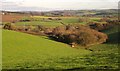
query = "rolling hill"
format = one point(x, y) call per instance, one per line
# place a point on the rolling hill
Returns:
point(22, 50)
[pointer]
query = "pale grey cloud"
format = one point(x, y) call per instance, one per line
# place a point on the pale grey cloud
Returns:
point(12, 6)
point(41, 5)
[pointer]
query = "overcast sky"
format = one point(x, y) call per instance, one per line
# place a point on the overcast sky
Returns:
point(44, 5)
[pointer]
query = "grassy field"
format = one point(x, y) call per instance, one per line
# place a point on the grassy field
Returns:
point(38, 20)
point(22, 50)
point(49, 23)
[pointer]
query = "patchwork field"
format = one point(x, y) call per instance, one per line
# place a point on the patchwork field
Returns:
point(37, 50)
point(43, 20)
point(65, 20)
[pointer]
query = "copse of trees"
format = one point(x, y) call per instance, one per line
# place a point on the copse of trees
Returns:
point(12, 26)
point(114, 22)
point(109, 20)
point(78, 34)
point(97, 26)
point(103, 26)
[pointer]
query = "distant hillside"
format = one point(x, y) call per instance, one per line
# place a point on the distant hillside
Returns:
point(105, 12)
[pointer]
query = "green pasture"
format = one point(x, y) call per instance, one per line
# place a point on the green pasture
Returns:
point(22, 50)
point(50, 23)
point(43, 20)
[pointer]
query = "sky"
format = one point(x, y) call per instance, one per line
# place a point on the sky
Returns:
point(46, 5)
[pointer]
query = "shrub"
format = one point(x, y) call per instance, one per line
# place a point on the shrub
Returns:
point(78, 34)
point(85, 38)
point(28, 28)
point(102, 26)
point(41, 28)
point(96, 26)
point(9, 26)
point(20, 28)
point(112, 21)
point(103, 19)
point(50, 18)
point(83, 19)
point(48, 30)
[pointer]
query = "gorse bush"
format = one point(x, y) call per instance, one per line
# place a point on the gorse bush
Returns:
point(9, 26)
point(78, 34)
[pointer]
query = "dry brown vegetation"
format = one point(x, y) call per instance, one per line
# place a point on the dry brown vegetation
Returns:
point(34, 30)
point(78, 34)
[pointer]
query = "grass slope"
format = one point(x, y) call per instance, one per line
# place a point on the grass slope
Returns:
point(27, 51)
point(106, 55)
point(23, 51)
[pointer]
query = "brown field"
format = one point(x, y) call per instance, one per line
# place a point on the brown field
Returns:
point(11, 18)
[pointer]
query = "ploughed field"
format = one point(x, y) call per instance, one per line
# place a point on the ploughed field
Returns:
point(11, 18)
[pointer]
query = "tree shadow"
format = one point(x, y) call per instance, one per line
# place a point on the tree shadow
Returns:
point(57, 39)
point(113, 38)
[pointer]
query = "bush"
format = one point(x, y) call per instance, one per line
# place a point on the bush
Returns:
point(9, 26)
point(101, 26)
point(41, 28)
point(83, 19)
point(48, 30)
point(96, 26)
point(103, 19)
point(25, 20)
point(112, 21)
point(78, 34)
